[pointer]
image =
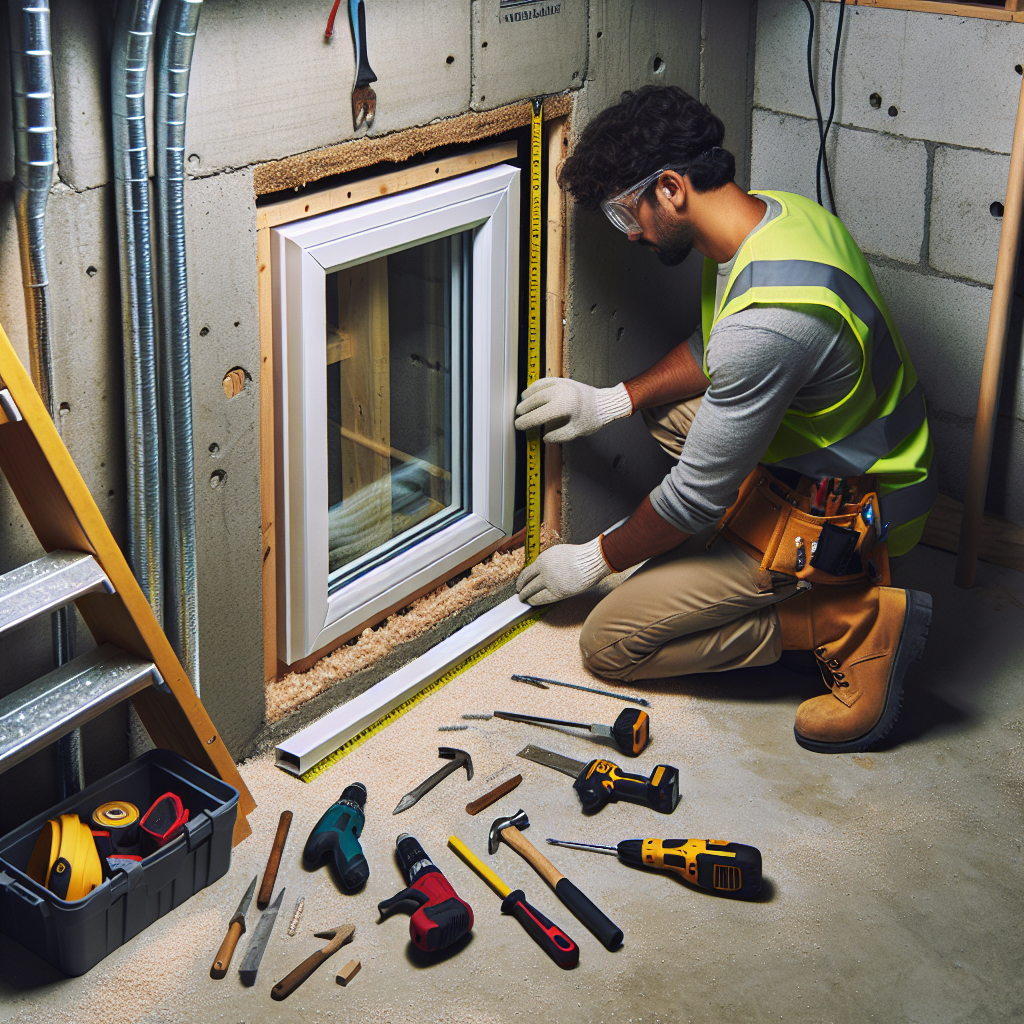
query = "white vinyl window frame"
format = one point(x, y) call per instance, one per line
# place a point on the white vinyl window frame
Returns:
point(485, 203)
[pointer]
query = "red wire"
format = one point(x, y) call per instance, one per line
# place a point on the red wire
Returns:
point(329, 31)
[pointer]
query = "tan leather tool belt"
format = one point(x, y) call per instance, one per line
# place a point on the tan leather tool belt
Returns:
point(773, 523)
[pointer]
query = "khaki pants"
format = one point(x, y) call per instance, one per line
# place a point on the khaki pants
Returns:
point(689, 610)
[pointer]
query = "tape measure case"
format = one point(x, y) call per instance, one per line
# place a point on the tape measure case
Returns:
point(75, 936)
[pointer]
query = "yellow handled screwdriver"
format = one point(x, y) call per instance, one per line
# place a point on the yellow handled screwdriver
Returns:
point(729, 869)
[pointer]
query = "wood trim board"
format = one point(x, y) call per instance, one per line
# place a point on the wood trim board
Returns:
point(1013, 10)
point(1002, 542)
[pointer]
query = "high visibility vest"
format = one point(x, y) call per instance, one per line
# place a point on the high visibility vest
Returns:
point(805, 256)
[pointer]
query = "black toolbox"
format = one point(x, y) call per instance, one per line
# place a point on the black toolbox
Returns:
point(75, 936)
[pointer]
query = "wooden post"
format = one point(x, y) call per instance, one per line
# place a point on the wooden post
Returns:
point(992, 369)
point(366, 395)
point(558, 141)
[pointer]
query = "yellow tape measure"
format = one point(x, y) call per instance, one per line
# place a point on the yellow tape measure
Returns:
point(385, 720)
point(533, 334)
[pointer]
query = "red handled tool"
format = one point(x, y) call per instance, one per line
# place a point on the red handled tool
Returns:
point(547, 935)
point(438, 916)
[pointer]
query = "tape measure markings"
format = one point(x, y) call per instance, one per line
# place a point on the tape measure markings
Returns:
point(532, 543)
point(407, 705)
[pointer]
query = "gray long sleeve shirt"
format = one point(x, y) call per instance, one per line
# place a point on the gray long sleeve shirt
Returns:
point(761, 362)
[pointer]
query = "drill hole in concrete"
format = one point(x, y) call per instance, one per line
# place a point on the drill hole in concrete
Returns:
point(875, 100)
point(204, 332)
point(1019, 69)
point(214, 448)
point(64, 409)
point(483, 45)
point(91, 271)
point(996, 209)
point(234, 382)
point(658, 66)
point(892, 111)
point(599, 34)
point(449, 59)
point(217, 477)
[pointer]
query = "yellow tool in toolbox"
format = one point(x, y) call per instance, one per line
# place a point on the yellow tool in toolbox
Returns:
point(65, 859)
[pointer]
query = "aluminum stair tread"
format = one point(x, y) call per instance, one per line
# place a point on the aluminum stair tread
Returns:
point(48, 583)
point(54, 704)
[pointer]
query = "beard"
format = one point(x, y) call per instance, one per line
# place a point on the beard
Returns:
point(675, 241)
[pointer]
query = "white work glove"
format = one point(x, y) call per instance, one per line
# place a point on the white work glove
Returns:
point(581, 409)
point(562, 571)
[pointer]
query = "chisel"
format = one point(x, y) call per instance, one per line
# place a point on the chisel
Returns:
point(258, 944)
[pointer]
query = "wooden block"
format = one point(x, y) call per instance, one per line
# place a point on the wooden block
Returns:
point(348, 972)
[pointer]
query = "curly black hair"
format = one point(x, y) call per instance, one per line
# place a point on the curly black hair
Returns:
point(651, 128)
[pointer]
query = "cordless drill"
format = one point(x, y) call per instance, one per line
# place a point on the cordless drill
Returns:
point(439, 916)
point(720, 866)
point(335, 837)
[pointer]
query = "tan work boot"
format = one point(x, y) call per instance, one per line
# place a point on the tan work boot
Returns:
point(864, 638)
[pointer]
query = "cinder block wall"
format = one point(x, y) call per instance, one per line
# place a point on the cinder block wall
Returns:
point(266, 85)
point(914, 177)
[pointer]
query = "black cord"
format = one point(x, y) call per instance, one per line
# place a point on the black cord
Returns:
point(814, 93)
point(822, 155)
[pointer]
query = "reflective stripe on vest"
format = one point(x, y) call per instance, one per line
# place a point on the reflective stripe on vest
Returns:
point(885, 360)
point(880, 426)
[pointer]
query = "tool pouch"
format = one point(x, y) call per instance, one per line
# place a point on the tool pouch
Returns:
point(773, 523)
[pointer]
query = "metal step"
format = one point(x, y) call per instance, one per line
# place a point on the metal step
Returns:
point(41, 712)
point(46, 584)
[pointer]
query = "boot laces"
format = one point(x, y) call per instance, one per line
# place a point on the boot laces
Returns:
point(830, 669)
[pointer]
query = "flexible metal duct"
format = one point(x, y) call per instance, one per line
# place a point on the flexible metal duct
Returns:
point(32, 96)
point(132, 44)
point(34, 131)
point(176, 32)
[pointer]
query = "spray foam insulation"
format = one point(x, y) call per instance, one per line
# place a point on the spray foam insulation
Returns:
point(296, 171)
point(294, 689)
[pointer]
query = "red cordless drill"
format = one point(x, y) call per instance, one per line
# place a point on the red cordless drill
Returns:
point(439, 916)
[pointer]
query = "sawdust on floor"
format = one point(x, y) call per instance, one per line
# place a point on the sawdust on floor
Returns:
point(294, 689)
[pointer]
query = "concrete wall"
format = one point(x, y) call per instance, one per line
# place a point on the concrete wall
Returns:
point(265, 85)
point(624, 309)
point(914, 179)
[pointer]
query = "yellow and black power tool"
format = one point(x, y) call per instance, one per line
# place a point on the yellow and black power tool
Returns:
point(729, 869)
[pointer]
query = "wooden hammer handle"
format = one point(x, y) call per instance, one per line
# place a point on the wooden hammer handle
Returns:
point(226, 951)
point(274, 861)
point(532, 855)
point(287, 985)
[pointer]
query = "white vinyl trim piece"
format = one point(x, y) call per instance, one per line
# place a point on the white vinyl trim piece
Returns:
point(317, 741)
point(485, 203)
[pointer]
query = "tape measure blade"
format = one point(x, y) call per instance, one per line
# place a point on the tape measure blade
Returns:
point(533, 509)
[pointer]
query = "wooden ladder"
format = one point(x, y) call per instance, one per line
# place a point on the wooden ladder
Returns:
point(133, 658)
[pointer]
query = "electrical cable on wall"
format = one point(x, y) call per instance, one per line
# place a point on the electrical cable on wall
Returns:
point(823, 125)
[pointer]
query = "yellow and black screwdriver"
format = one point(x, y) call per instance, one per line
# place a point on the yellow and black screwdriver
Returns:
point(729, 869)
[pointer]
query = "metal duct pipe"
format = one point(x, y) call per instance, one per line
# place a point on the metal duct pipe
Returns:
point(32, 96)
point(176, 33)
point(34, 132)
point(133, 37)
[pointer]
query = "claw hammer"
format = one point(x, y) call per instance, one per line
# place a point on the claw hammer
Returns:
point(607, 932)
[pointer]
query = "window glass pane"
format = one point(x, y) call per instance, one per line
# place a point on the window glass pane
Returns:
point(394, 402)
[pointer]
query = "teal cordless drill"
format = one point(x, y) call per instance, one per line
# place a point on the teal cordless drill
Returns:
point(336, 838)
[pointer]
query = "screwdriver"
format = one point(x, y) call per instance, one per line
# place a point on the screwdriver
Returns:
point(729, 869)
point(630, 731)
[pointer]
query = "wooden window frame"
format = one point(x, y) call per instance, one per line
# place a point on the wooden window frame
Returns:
point(1011, 10)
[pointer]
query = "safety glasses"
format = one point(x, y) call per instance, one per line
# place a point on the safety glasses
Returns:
point(620, 209)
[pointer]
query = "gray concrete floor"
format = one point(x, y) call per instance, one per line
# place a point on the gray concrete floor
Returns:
point(894, 881)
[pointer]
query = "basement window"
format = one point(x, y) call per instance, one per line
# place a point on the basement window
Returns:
point(395, 337)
